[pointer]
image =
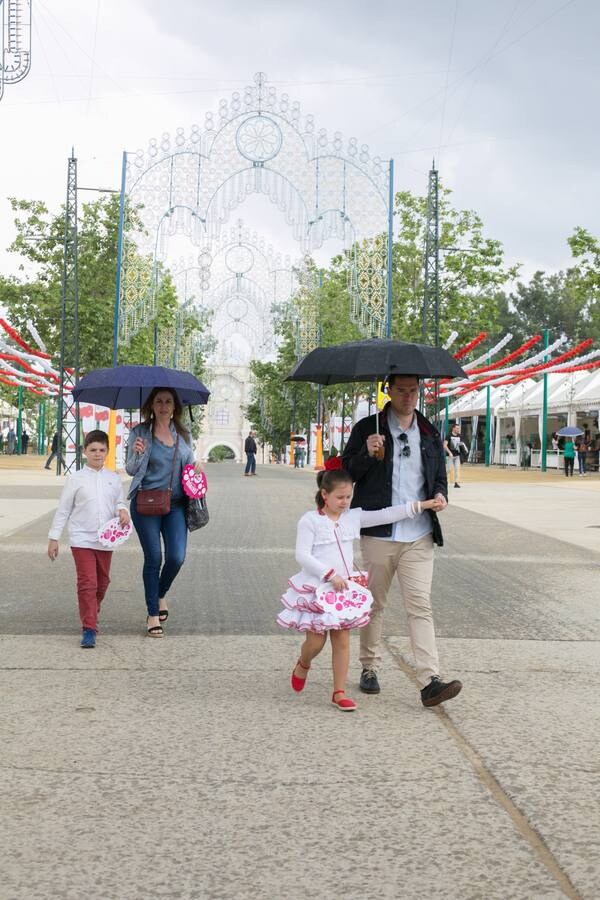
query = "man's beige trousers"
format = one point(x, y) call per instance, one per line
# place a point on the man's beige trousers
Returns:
point(413, 564)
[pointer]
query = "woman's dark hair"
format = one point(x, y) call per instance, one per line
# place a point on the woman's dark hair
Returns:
point(148, 416)
point(328, 480)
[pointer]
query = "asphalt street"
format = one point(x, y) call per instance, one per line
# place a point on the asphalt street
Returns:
point(187, 769)
point(491, 580)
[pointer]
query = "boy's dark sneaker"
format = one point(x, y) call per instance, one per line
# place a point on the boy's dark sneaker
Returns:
point(368, 681)
point(437, 691)
point(88, 639)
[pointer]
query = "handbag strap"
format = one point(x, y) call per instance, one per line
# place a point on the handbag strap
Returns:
point(341, 553)
point(173, 466)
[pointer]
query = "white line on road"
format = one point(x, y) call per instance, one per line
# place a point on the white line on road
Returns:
point(442, 556)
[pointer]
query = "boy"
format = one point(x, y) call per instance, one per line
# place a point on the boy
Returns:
point(453, 446)
point(90, 497)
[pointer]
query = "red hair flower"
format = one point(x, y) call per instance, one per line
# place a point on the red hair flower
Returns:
point(334, 462)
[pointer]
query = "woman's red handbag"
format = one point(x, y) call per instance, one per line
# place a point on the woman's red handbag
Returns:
point(156, 501)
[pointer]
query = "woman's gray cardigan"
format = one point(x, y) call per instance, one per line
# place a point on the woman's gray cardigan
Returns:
point(137, 464)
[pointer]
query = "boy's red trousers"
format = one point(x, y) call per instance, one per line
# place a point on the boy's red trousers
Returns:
point(93, 567)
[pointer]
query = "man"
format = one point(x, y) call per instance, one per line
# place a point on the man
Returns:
point(453, 448)
point(412, 468)
point(53, 450)
point(250, 451)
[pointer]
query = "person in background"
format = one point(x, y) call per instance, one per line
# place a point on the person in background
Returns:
point(569, 457)
point(53, 450)
point(454, 447)
point(582, 448)
point(24, 443)
point(250, 449)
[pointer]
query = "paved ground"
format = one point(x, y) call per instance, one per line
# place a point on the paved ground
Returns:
point(184, 768)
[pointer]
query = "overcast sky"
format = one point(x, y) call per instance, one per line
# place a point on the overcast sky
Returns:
point(504, 94)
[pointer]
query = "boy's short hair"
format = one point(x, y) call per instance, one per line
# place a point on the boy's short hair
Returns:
point(95, 436)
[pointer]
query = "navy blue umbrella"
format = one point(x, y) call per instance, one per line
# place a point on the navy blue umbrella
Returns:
point(128, 387)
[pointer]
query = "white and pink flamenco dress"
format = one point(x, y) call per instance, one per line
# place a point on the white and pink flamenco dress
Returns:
point(322, 544)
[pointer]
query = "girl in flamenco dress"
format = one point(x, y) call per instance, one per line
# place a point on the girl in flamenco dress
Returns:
point(327, 596)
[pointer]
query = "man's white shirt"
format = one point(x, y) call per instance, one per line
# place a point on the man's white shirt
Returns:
point(408, 481)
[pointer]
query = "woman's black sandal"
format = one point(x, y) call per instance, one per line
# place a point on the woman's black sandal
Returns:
point(163, 615)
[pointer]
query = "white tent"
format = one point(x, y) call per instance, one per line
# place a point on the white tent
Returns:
point(573, 399)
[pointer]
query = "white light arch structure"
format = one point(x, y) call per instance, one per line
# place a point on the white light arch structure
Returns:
point(257, 142)
point(15, 43)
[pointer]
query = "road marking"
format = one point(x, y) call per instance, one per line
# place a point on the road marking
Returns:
point(489, 780)
point(578, 563)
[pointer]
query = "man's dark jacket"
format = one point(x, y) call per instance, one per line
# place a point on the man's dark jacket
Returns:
point(373, 478)
point(249, 445)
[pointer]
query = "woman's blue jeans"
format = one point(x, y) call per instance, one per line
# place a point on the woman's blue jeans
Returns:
point(149, 529)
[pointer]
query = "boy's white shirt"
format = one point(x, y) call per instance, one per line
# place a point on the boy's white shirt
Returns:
point(89, 499)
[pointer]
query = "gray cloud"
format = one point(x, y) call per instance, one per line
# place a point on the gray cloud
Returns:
point(505, 97)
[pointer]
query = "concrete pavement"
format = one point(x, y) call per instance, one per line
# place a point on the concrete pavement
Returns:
point(185, 768)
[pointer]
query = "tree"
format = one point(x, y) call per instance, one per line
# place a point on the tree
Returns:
point(37, 295)
point(585, 276)
point(472, 270)
point(546, 301)
point(277, 407)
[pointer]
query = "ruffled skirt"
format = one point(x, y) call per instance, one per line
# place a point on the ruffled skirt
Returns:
point(320, 609)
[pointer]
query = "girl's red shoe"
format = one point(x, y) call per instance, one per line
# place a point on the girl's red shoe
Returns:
point(343, 703)
point(298, 683)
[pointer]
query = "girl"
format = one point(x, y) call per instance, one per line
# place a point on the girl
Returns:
point(324, 550)
point(157, 451)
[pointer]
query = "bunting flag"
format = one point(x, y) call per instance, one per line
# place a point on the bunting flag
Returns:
point(506, 359)
point(512, 368)
point(471, 346)
point(490, 353)
point(551, 368)
point(530, 363)
point(451, 339)
point(24, 366)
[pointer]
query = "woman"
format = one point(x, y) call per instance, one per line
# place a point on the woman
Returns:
point(569, 457)
point(158, 450)
point(582, 448)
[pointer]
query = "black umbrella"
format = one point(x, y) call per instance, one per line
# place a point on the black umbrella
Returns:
point(128, 387)
point(372, 360)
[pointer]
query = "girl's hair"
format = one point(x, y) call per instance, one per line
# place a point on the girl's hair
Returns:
point(148, 415)
point(328, 480)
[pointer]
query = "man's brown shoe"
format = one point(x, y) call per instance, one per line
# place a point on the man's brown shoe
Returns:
point(437, 691)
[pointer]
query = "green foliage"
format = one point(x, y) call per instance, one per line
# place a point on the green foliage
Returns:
point(220, 454)
point(471, 273)
point(37, 295)
point(585, 276)
point(471, 270)
point(546, 301)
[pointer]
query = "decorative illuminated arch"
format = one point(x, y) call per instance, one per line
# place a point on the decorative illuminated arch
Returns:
point(256, 143)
